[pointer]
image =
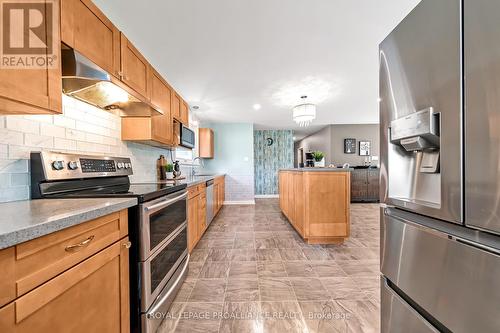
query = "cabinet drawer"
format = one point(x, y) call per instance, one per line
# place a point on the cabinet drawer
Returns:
point(32, 263)
point(192, 192)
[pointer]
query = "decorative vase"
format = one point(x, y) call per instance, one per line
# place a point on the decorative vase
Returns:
point(170, 175)
point(320, 164)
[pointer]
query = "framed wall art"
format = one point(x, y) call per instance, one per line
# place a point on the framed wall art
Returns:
point(350, 146)
point(364, 148)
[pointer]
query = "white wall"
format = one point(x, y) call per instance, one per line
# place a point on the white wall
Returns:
point(233, 155)
point(82, 128)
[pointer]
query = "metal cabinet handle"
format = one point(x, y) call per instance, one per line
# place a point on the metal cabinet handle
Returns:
point(127, 245)
point(79, 246)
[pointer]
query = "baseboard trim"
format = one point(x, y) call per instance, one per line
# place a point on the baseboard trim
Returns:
point(242, 202)
point(266, 196)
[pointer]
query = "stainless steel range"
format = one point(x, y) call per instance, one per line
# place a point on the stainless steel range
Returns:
point(157, 225)
point(440, 175)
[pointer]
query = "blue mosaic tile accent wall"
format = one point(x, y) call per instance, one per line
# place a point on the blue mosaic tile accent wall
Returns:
point(273, 150)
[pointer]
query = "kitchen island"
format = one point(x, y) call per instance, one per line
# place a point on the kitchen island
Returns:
point(316, 201)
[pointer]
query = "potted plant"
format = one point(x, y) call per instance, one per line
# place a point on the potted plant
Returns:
point(319, 159)
point(169, 168)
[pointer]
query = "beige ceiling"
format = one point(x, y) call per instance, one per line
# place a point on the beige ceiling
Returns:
point(227, 55)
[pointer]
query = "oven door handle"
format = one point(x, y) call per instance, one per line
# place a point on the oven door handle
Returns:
point(165, 202)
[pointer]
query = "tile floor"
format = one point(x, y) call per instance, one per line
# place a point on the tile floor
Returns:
point(251, 272)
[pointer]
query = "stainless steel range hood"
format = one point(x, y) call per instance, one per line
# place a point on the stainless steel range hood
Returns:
point(84, 80)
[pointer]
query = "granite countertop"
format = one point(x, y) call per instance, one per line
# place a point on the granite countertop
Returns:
point(318, 169)
point(21, 221)
point(195, 180)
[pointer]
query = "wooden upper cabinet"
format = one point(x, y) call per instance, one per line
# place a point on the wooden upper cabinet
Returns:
point(184, 113)
point(86, 29)
point(176, 106)
point(135, 68)
point(206, 143)
point(161, 94)
point(33, 91)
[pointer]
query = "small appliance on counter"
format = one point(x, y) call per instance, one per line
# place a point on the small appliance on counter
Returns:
point(309, 160)
point(177, 170)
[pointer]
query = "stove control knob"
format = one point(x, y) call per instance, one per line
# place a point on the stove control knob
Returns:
point(128, 165)
point(120, 165)
point(58, 165)
point(72, 165)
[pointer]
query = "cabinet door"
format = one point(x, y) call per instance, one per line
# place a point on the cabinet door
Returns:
point(162, 125)
point(299, 202)
point(291, 197)
point(206, 142)
point(202, 214)
point(86, 29)
point(93, 296)
point(192, 222)
point(373, 185)
point(176, 106)
point(184, 113)
point(32, 91)
point(216, 198)
point(285, 193)
point(135, 68)
point(358, 185)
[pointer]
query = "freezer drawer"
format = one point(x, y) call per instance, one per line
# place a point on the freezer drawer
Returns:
point(398, 316)
point(455, 282)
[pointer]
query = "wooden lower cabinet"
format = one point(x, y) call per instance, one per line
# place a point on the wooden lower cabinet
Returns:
point(91, 296)
point(365, 185)
point(317, 204)
point(219, 193)
point(197, 205)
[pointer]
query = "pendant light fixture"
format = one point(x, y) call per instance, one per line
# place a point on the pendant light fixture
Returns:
point(303, 114)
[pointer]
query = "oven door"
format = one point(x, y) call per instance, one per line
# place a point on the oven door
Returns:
point(160, 267)
point(160, 219)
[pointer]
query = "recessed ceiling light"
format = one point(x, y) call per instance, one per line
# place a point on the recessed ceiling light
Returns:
point(195, 107)
point(257, 106)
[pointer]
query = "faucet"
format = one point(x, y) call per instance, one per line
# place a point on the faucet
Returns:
point(193, 172)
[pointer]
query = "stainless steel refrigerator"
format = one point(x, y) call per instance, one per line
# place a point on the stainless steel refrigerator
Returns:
point(440, 169)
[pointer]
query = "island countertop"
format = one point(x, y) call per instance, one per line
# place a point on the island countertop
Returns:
point(318, 169)
point(22, 221)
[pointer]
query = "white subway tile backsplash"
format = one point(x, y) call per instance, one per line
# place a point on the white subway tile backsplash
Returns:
point(19, 179)
point(42, 141)
point(20, 152)
point(52, 130)
point(13, 166)
point(21, 124)
point(64, 144)
point(49, 119)
point(64, 121)
point(11, 137)
point(74, 134)
point(14, 193)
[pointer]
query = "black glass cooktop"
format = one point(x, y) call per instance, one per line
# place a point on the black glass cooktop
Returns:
point(142, 191)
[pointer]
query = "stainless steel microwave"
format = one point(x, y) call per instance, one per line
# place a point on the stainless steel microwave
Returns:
point(187, 137)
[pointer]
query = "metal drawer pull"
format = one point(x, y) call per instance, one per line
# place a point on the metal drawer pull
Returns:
point(127, 245)
point(79, 246)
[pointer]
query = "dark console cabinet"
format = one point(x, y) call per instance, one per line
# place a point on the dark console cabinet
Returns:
point(365, 185)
